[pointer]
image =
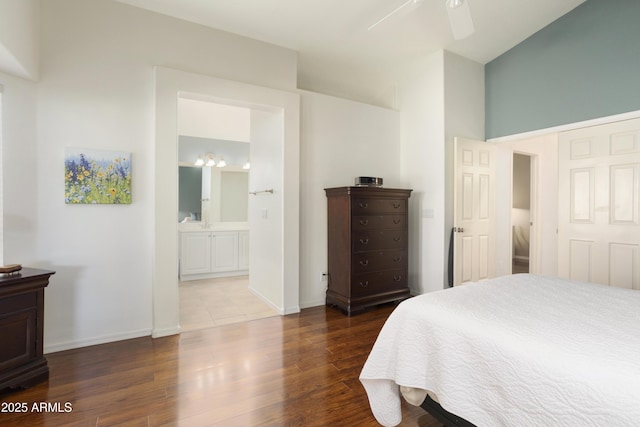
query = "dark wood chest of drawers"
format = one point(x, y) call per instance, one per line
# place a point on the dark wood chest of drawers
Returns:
point(367, 243)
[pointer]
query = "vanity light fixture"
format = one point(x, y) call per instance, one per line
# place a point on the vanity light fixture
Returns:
point(205, 160)
point(454, 4)
point(221, 163)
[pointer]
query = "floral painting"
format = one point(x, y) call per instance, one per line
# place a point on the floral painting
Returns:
point(97, 176)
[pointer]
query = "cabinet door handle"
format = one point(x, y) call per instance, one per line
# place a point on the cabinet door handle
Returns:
point(397, 278)
point(396, 221)
point(397, 259)
point(396, 239)
point(396, 205)
point(364, 284)
point(364, 262)
point(364, 241)
point(364, 205)
point(364, 221)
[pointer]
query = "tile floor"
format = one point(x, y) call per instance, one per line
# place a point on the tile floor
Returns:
point(215, 302)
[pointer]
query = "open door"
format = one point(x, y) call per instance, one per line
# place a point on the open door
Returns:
point(474, 211)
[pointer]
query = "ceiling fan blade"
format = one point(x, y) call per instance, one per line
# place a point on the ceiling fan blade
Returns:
point(394, 12)
point(460, 20)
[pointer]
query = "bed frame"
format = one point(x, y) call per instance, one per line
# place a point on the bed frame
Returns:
point(442, 415)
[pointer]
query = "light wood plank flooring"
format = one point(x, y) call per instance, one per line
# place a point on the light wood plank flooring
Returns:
point(295, 370)
point(215, 302)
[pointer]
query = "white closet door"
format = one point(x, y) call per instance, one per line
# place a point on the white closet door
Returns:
point(599, 204)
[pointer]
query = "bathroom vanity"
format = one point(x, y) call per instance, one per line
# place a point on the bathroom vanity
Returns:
point(210, 253)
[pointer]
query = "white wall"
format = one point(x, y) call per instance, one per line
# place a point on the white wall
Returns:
point(19, 38)
point(20, 171)
point(341, 140)
point(204, 119)
point(97, 91)
point(421, 98)
point(464, 117)
point(442, 98)
point(265, 209)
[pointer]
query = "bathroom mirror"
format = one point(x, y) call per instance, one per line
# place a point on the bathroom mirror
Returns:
point(189, 193)
point(213, 194)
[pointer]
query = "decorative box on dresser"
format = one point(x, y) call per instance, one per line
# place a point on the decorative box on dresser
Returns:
point(367, 245)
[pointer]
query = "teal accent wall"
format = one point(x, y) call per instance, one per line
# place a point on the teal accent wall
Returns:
point(583, 66)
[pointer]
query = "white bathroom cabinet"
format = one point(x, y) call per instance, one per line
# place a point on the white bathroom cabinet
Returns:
point(210, 254)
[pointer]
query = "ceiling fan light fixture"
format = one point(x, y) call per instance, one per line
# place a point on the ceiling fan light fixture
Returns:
point(454, 4)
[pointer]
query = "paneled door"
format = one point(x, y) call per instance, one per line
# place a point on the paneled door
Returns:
point(599, 204)
point(474, 211)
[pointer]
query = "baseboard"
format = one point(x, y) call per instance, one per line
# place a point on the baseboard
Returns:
point(312, 303)
point(291, 310)
point(158, 333)
point(262, 298)
point(53, 348)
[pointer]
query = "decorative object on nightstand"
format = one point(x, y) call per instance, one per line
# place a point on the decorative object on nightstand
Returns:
point(22, 361)
point(368, 246)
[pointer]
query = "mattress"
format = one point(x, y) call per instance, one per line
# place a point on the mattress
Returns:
point(518, 350)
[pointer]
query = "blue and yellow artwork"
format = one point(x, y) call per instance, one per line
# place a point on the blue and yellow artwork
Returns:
point(97, 176)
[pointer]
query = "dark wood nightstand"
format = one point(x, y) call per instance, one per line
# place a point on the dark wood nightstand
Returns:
point(22, 362)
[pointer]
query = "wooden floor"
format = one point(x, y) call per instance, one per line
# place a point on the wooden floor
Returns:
point(296, 370)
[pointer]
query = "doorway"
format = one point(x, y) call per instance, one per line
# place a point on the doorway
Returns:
point(521, 221)
point(214, 151)
point(274, 255)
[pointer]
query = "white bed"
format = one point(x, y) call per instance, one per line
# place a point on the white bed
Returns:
point(518, 350)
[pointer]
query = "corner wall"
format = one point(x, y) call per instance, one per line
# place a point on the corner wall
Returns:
point(442, 99)
point(340, 141)
point(422, 99)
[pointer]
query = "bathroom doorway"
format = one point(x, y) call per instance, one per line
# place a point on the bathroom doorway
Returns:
point(214, 167)
point(274, 248)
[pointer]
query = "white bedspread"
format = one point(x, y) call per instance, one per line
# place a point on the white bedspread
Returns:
point(514, 351)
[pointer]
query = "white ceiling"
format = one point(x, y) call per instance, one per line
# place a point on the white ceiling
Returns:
point(336, 50)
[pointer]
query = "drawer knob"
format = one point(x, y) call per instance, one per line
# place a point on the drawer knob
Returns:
point(397, 278)
point(364, 262)
point(364, 205)
point(397, 259)
point(364, 284)
point(396, 205)
point(364, 241)
point(364, 221)
point(396, 221)
point(396, 239)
